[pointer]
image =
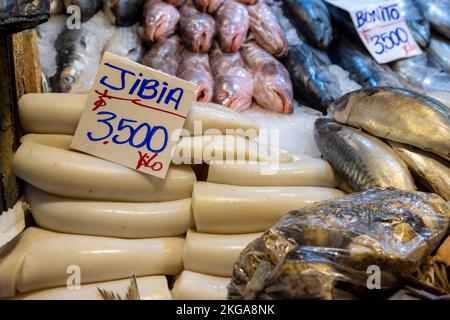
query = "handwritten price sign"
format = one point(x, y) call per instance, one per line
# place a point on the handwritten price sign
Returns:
point(381, 27)
point(133, 115)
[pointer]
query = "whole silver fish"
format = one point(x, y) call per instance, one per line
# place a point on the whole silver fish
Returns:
point(422, 73)
point(364, 161)
point(312, 20)
point(440, 49)
point(397, 114)
point(362, 68)
point(437, 12)
point(418, 25)
point(431, 170)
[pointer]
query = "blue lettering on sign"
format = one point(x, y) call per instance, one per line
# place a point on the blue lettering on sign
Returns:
point(389, 40)
point(145, 89)
point(380, 14)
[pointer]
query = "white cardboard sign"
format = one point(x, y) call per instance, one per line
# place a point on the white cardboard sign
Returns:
point(381, 27)
point(132, 115)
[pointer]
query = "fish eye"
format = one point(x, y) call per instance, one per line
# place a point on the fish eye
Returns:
point(69, 79)
point(133, 50)
point(83, 42)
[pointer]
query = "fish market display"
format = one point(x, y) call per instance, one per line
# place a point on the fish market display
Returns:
point(230, 209)
point(363, 69)
point(422, 73)
point(440, 49)
point(197, 29)
point(194, 67)
point(39, 259)
point(315, 80)
point(232, 25)
point(126, 43)
point(441, 96)
point(88, 8)
point(149, 288)
point(364, 161)
point(429, 168)
point(272, 86)
point(123, 12)
point(160, 20)
point(313, 249)
point(418, 25)
point(436, 12)
point(266, 29)
point(209, 6)
point(312, 19)
point(196, 286)
point(233, 84)
point(397, 114)
point(77, 51)
point(165, 55)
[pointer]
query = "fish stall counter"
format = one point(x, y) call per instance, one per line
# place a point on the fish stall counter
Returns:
point(120, 223)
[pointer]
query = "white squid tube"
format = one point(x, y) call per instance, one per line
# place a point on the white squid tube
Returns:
point(110, 219)
point(41, 259)
point(62, 141)
point(198, 286)
point(214, 254)
point(77, 175)
point(60, 113)
point(225, 148)
point(150, 288)
point(227, 209)
point(309, 172)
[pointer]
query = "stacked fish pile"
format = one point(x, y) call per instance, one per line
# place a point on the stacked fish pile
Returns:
point(403, 129)
point(228, 48)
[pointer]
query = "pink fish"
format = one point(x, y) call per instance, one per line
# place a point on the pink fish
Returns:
point(175, 3)
point(160, 20)
point(272, 86)
point(195, 67)
point(165, 55)
point(232, 25)
point(209, 6)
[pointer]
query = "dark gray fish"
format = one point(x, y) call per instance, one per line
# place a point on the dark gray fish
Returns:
point(342, 19)
point(397, 114)
point(362, 68)
point(165, 55)
point(437, 12)
point(312, 20)
point(126, 43)
point(431, 170)
point(419, 26)
point(79, 53)
point(440, 49)
point(423, 73)
point(364, 161)
point(88, 8)
point(123, 12)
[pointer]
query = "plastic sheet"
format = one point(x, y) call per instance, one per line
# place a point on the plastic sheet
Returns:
point(18, 15)
point(311, 250)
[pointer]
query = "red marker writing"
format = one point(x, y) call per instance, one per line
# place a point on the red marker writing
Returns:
point(146, 161)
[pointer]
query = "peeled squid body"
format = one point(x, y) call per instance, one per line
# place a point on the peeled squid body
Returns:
point(61, 141)
point(214, 254)
point(77, 175)
point(111, 219)
point(150, 288)
point(308, 172)
point(43, 259)
point(221, 208)
point(198, 286)
point(228, 148)
point(60, 112)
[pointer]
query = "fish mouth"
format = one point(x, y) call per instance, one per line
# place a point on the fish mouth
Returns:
point(157, 31)
point(237, 103)
point(236, 42)
point(285, 104)
point(202, 94)
point(202, 43)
